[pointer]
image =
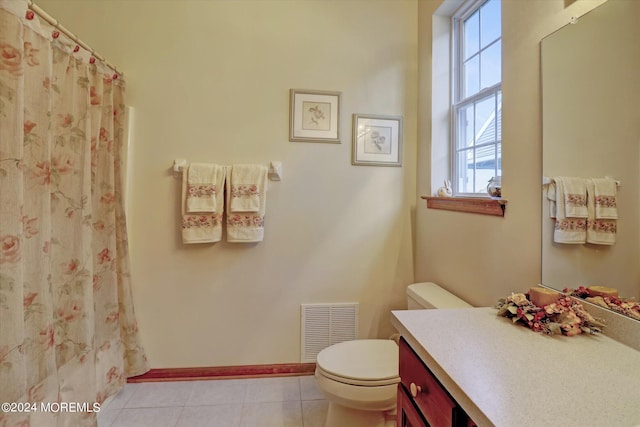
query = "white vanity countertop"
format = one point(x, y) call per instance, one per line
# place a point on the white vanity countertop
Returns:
point(506, 375)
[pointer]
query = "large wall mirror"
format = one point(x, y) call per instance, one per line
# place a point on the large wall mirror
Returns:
point(591, 129)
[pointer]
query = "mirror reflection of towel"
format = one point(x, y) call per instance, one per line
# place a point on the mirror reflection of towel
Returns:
point(551, 196)
point(568, 230)
point(575, 196)
point(600, 231)
point(605, 202)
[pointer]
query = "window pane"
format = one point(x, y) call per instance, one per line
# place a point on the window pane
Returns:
point(471, 73)
point(486, 158)
point(465, 126)
point(485, 121)
point(465, 171)
point(471, 30)
point(485, 167)
point(482, 181)
point(477, 149)
point(490, 70)
point(490, 25)
point(499, 120)
point(472, 167)
point(483, 175)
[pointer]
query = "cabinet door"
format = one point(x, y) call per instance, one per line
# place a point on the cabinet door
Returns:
point(431, 398)
point(408, 415)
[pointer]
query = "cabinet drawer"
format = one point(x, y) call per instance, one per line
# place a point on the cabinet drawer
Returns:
point(434, 402)
point(408, 416)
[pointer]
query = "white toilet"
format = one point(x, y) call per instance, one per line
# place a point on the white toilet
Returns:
point(360, 378)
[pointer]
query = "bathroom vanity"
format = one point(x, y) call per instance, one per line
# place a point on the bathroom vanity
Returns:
point(480, 369)
point(422, 397)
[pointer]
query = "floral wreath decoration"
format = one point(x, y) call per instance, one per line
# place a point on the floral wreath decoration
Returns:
point(564, 316)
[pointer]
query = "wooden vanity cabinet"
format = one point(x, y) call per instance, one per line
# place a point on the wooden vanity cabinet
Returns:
point(408, 414)
point(422, 401)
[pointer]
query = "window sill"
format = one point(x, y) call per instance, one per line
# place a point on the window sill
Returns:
point(480, 205)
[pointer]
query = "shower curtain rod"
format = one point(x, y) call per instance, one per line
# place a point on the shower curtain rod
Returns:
point(44, 15)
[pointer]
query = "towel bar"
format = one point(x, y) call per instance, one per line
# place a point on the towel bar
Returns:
point(275, 168)
point(178, 165)
point(546, 181)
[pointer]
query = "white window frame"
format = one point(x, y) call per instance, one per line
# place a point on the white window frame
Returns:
point(457, 58)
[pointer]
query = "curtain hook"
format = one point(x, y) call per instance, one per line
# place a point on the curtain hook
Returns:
point(56, 34)
point(76, 49)
point(30, 15)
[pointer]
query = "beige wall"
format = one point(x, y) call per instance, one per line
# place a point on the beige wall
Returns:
point(501, 254)
point(209, 81)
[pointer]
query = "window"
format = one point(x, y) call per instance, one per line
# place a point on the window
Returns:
point(476, 109)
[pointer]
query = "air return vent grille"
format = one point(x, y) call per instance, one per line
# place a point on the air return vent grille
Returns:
point(324, 325)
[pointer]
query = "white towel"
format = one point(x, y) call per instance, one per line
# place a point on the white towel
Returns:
point(248, 184)
point(605, 190)
point(575, 196)
point(202, 188)
point(246, 227)
point(567, 229)
point(203, 227)
point(551, 196)
point(599, 231)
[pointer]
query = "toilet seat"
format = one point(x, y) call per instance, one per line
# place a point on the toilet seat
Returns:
point(370, 362)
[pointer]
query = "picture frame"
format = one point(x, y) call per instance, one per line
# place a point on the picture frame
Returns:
point(377, 140)
point(314, 116)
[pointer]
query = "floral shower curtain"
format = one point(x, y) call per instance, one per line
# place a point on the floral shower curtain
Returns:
point(67, 327)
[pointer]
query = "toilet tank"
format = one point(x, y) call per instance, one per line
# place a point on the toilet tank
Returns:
point(429, 295)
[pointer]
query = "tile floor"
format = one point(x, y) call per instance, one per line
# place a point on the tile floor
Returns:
point(255, 402)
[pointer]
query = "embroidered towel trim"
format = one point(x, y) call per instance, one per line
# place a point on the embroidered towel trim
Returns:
point(567, 230)
point(600, 231)
point(248, 184)
point(201, 187)
point(604, 193)
point(202, 227)
point(575, 197)
point(245, 227)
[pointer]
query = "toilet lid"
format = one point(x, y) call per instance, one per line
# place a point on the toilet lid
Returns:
point(361, 360)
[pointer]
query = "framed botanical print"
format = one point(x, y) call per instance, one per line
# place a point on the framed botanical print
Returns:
point(377, 140)
point(314, 116)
